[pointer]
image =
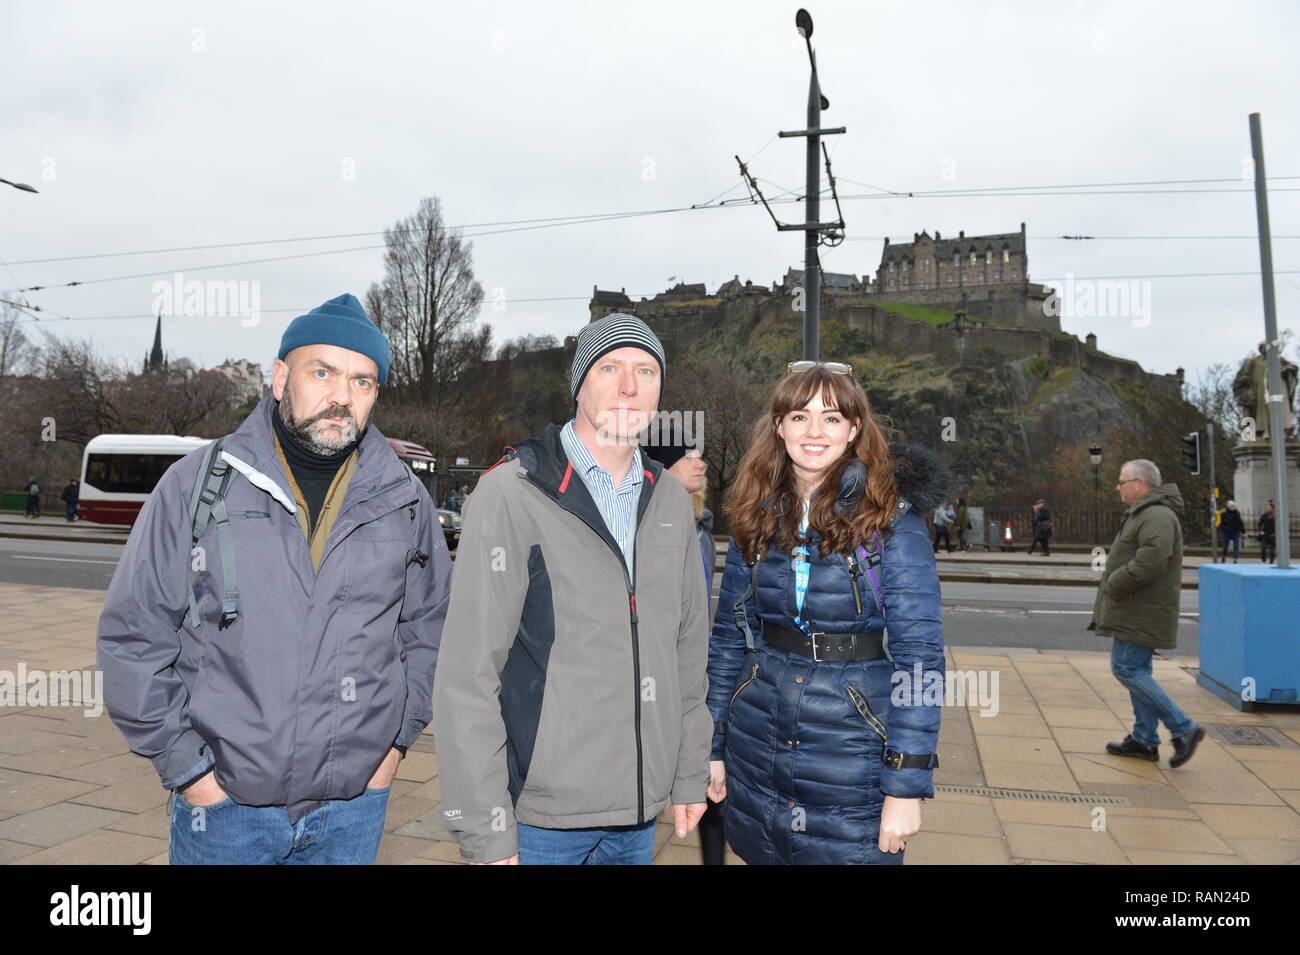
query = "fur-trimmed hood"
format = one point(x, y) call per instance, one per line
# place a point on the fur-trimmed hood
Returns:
point(921, 474)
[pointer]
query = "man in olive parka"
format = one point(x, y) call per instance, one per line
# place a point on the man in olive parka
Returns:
point(1137, 607)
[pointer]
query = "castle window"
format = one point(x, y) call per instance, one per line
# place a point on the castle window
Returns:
point(956, 260)
point(988, 256)
point(997, 274)
point(1015, 274)
point(891, 265)
point(965, 276)
point(1006, 254)
point(979, 276)
point(972, 256)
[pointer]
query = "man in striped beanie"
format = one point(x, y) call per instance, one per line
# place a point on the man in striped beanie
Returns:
point(615, 330)
point(570, 690)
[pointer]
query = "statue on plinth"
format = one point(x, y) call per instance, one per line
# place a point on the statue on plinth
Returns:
point(1250, 389)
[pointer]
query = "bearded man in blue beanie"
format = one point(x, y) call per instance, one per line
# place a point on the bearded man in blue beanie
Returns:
point(316, 579)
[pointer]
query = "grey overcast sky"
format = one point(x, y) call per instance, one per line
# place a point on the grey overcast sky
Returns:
point(156, 125)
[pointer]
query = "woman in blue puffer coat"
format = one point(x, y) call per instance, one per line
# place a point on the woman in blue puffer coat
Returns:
point(825, 723)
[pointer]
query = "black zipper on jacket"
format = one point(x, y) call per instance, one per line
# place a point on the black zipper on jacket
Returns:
point(853, 580)
point(629, 581)
point(636, 679)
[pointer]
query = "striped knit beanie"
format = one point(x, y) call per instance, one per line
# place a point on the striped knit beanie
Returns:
point(615, 330)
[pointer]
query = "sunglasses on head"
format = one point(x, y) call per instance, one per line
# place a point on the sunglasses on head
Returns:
point(834, 367)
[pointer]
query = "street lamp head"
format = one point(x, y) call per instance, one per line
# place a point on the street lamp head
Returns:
point(803, 23)
point(1094, 454)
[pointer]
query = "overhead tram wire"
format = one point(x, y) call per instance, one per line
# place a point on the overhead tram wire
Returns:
point(556, 221)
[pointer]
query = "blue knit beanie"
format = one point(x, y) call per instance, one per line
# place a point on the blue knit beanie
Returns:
point(343, 322)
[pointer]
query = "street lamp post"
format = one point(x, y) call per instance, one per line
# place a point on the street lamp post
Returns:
point(816, 233)
point(1094, 455)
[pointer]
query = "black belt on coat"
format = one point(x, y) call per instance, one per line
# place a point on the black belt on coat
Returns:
point(827, 647)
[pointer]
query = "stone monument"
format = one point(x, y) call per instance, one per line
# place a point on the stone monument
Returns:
point(1254, 482)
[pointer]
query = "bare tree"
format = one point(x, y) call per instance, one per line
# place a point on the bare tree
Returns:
point(179, 400)
point(524, 344)
point(14, 347)
point(1210, 392)
point(427, 300)
point(427, 304)
point(81, 394)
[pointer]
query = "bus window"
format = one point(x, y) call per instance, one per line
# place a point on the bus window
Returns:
point(127, 473)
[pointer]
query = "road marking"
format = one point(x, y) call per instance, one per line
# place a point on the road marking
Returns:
point(68, 560)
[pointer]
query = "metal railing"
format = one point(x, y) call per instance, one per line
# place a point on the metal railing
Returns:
point(1084, 526)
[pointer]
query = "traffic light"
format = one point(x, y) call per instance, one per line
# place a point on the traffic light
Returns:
point(1192, 452)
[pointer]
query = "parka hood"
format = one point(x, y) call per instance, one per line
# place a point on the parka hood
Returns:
point(1167, 494)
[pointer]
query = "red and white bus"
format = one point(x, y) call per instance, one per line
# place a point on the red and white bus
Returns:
point(119, 471)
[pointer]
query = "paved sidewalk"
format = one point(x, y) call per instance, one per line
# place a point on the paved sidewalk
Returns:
point(1029, 785)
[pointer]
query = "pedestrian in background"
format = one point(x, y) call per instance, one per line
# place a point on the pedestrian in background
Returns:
point(33, 499)
point(963, 524)
point(1232, 528)
point(1137, 607)
point(1268, 534)
point(944, 519)
point(71, 494)
point(1042, 527)
point(686, 463)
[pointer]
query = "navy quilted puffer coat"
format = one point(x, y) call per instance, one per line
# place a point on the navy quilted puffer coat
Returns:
point(803, 741)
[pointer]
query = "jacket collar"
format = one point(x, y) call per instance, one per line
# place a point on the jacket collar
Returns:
point(546, 464)
point(1167, 494)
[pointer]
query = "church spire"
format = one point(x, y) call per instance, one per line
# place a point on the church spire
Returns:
point(155, 362)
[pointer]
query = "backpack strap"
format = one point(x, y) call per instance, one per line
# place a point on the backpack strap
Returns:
point(742, 618)
point(208, 502)
point(870, 562)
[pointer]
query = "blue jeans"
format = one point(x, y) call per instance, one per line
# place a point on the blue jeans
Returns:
point(341, 832)
point(1235, 537)
point(621, 845)
point(1131, 665)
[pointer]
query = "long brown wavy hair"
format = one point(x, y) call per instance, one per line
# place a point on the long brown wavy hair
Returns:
point(767, 473)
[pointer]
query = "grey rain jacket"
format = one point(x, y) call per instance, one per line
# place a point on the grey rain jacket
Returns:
point(570, 694)
point(300, 699)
